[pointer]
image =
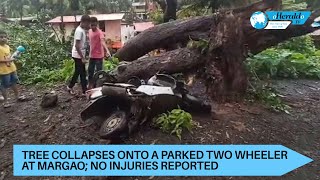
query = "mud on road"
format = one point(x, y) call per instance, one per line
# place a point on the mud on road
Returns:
point(237, 123)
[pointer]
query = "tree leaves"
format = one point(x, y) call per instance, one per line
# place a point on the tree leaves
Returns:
point(174, 122)
point(18, 8)
point(292, 59)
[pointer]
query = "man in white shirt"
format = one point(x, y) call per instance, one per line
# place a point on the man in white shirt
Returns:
point(78, 54)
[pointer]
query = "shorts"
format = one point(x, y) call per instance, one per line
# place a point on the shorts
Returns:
point(8, 80)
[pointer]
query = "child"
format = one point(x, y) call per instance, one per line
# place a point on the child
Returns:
point(8, 74)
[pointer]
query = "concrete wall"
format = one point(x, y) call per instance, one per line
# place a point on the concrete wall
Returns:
point(127, 32)
point(69, 28)
point(113, 30)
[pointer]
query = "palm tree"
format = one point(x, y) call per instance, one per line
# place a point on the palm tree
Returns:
point(74, 5)
point(16, 7)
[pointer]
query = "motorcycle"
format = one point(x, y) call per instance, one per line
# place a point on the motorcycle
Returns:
point(123, 107)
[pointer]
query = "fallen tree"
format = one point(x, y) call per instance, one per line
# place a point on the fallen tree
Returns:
point(231, 37)
point(180, 60)
point(162, 35)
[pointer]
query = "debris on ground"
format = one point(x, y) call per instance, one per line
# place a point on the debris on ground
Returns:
point(250, 124)
point(49, 100)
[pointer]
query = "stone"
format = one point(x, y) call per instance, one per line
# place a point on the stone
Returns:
point(49, 100)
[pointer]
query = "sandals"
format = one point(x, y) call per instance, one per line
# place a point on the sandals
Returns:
point(70, 90)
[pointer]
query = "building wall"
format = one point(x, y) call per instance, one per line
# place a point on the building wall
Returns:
point(69, 28)
point(127, 32)
point(113, 30)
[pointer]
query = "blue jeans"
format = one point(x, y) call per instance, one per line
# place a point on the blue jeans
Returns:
point(8, 80)
point(94, 65)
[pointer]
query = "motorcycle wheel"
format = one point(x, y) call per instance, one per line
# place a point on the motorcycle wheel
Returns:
point(196, 104)
point(114, 126)
point(193, 100)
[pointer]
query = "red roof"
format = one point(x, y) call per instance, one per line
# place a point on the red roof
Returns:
point(100, 17)
point(139, 27)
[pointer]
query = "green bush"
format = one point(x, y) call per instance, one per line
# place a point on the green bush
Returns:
point(296, 58)
point(156, 16)
point(50, 77)
point(174, 122)
point(262, 92)
point(111, 64)
point(44, 55)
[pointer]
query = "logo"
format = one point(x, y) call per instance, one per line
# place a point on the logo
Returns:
point(259, 20)
point(278, 19)
point(316, 24)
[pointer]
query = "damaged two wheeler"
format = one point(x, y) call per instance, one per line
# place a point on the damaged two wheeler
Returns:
point(122, 108)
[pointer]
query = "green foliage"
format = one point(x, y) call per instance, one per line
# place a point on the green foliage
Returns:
point(192, 11)
point(18, 8)
point(262, 92)
point(47, 77)
point(296, 58)
point(294, 5)
point(111, 64)
point(44, 56)
point(156, 16)
point(201, 45)
point(303, 44)
point(175, 122)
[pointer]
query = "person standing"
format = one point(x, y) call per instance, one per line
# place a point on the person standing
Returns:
point(8, 72)
point(78, 55)
point(98, 47)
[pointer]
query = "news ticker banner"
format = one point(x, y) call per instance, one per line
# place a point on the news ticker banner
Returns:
point(155, 160)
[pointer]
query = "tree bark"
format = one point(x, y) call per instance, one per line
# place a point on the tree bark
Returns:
point(171, 10)
point(182, 30)
point(162, 35)
point(179, 60)
point(232, 36)
point(226, 59)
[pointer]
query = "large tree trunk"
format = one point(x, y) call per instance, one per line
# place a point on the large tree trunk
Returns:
point(226, 61)
point(162, 35)
point(180, 60)
point(171, 10)
point(222, 67)
point(182, 30)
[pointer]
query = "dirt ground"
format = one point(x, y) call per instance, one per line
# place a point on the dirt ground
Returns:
point(241, 123)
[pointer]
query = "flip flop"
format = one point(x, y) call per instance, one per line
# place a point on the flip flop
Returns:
point(71, 91)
